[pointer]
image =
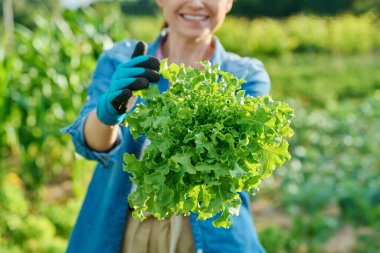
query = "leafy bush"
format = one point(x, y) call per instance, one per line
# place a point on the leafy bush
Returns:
point(332, 180)
point(21, 230)
point(345, 34)
point(45, 76)
point(322, 81)
point(333, 152)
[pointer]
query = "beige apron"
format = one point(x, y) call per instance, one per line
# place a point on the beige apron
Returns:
point(172, 235)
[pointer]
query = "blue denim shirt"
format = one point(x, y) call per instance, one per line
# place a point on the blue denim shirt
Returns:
point(102, 218)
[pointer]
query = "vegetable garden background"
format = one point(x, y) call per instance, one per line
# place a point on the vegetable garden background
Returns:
point(326, 199)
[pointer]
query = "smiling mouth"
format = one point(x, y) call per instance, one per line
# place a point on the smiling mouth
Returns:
point(194, 17)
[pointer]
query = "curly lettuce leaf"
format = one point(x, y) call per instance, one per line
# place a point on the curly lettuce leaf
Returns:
point(209, 141)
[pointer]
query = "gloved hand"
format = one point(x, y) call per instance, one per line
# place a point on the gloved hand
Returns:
point(135, 74)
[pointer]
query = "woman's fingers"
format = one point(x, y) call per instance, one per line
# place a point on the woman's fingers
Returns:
point(143, 61)
point(140, 49)
point(130, 83)
point(149, 74)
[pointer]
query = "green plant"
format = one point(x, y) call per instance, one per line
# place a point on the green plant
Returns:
point(207, 145)
point(301, 33)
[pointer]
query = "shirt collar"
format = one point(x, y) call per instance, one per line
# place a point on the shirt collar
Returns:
point(153, 47)
point(219, 53)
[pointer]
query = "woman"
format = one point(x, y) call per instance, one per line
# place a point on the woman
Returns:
point(104, 223)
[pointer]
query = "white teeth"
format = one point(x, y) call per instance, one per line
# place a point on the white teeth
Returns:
point(191, 17)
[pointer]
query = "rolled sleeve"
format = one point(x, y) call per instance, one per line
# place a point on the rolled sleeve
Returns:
point(76, 130)
point(98, 86)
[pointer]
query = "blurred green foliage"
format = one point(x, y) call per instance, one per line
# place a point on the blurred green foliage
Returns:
point(325, 67)
point(333, 142)
point(271, 8)
point(242, 8)
point(284, 8)
point(44, 72)
point(24, 10)
point(346, 34)
point(324, 81)
point(23, 228)
point(334, 167)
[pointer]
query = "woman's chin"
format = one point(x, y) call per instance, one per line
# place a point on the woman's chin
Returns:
point(195, 33)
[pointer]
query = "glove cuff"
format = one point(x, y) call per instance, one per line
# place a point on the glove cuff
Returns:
point(107, 114)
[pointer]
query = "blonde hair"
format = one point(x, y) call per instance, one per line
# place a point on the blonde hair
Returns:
point(165, 25)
